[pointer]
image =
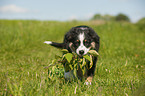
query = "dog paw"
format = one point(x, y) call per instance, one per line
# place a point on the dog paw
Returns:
point(88, 83)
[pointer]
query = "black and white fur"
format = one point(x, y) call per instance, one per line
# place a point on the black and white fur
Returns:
point(80, 39)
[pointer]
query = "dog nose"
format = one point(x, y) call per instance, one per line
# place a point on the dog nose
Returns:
point(81, 52)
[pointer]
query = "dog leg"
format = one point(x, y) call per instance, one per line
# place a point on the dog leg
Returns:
point(89, 80)
point(69, 75)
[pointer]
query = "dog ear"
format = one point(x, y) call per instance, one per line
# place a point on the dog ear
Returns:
point(93, 45)
point(67, 40)
point(94, 35)
point(95, 38)
point(69, 35)
point(71, 47)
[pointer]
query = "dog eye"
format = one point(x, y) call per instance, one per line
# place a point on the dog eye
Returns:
point(77, 42)
point(86, 41)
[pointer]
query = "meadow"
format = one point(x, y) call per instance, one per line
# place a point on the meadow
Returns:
point(120, 69)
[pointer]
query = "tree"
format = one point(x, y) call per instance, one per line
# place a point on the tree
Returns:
point(141, 23)
point(103, 17)
point(108, 17)
point(97, 17)
point(122, 17)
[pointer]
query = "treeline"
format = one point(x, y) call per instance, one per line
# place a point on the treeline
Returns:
point(119, 17)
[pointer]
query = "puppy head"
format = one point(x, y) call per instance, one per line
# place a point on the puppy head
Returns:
point(81, 41)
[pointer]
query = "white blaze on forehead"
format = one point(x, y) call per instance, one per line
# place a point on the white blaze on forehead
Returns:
point(82, 47)
point(81, 38)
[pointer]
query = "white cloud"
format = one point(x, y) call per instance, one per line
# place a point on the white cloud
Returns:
point(12, 9)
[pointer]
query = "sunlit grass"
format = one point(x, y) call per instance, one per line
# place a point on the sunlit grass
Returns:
point(23, 56)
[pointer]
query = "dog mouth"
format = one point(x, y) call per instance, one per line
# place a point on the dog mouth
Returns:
point(81, 55)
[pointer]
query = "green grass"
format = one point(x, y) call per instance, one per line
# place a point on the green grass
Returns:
point(120, 68)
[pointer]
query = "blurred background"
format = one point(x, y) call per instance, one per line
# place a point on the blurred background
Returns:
point(68, 10)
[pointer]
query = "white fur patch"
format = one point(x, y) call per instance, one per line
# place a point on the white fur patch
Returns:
point(48, 42)
point(87, 83)
point(83, 28)
point(82, 47)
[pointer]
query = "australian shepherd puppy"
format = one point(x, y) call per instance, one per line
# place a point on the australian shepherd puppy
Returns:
point(80, 39)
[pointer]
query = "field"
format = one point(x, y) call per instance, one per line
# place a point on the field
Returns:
point(120, 68)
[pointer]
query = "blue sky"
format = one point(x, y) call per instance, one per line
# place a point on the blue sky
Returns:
point(63, 10)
